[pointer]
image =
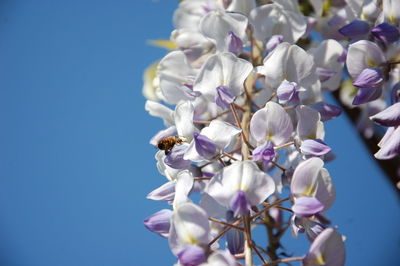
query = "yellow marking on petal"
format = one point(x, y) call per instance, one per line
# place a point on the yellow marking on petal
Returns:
point(149, 90)
point(270, 135)
point(309, 191)
point(392, 18)
point(189, 239)
point(313, 135)
point(167, 44)
point(320, 259)
point(371, 63)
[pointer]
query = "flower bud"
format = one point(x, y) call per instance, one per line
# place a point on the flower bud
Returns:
point(159, 222)
point(224, 97)
point(287, 92)
point(174, 158)
point(365, 95)
point(239, 203)
point(386, 32)
point(235, 238)
point(326, 110)
point(307, 206)
point(354, 29)
point(204, 146)
point(264, 153)
point(192, 256)
point(395, 93)
point(235, 43)
point(369, 78)
point(325, 74)
point(314, 147)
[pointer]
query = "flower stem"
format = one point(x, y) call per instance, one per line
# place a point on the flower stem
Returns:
point(226, 224)
point(285, 260)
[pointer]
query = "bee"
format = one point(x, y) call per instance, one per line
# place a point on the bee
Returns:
point(168, 143)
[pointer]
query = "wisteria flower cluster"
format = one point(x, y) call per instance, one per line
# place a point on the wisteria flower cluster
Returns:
point(241, 96)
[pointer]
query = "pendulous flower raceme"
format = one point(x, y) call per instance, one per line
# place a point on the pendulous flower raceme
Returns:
point(242, 89)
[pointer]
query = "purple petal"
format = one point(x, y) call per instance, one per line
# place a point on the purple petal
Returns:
point(234, 238)
point(165, 192)
point(356, 28)
point(192, 256)
point(189, 92)
point(313, 230)
point(395, 93)
point(204, 146)
point(386, 32)
point(273, 42)
point(315, 147)
point(389, 117)
point(224, 97)
point(174, 158)
point(370, 78)
point(343, 56)
point(235, 43)
point(325, 74)
point(363, 54)
point(287, 91)
point(326, 110)
point(239, 203)
point(159, 222)
point(365, 95)
point(264, 153)
point(307, 206)
point(391, 147)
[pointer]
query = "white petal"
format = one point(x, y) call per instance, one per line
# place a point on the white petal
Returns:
point(217, 24)
point(184, 120)
point(326, 192)
point(363, 54)
point(235, 72)
point(308, 122)
point(275, 65)
point(159, 110)
point(241, 6)
point(222, 69)
point(271, 123)
point(221, 133)
point(288, 62)
point(209, 78)
point(326, 56)
point(241, 175)
point(189, 227)
point(391, 146)
point(273, 19)
point(305, 177)
point(174, 71)
point(183, 187)
point(220, 257)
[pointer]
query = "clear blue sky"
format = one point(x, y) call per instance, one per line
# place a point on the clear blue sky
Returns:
point(75, 163)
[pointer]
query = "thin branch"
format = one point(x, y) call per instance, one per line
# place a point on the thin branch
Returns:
point(201, 178)
point(229, 156)
point(226, 224)
point(284, 145)
point(269, 207)
point(286, 260)
point(265, 204)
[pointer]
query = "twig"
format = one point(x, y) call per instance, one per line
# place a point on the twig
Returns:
point(285, 260)
point(226, 224)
